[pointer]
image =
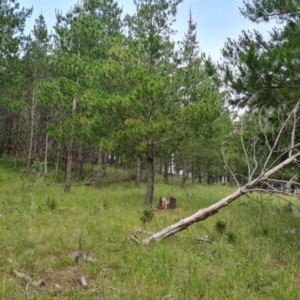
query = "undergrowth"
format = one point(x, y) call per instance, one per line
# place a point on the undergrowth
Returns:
point(243, 252)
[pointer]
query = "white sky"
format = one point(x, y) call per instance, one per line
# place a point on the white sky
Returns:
point(216, 19)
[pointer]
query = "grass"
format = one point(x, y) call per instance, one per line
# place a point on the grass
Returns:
point(253, 256)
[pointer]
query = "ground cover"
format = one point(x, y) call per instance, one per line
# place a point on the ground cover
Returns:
point(61, 241)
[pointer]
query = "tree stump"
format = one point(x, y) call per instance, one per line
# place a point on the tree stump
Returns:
point(166, 203)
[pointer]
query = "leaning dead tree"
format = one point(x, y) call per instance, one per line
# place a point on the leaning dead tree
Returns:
point(276, 158)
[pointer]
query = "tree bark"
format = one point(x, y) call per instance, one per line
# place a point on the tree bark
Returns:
point(67, 188)
point(32, 122)
point(204, 213)
point(46, 155)
point(57, 160)
point(99, 170)
point(184, 173)
point(79, 163)
point(104, 163)
point(17, 141)
point(166, 170)
point(138, 173)
point(193, 171)
point(150, 179)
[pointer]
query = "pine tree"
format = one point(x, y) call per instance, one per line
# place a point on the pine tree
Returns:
point(200, 99)
point(150, 31)
point(83, 37)
point(265, 72)
point(12, 24)
point(36, 67)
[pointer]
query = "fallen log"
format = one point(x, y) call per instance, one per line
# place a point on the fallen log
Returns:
point(204, 213)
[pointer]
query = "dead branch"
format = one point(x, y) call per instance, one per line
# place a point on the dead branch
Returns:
point(245, 152)
point(135, 239)
point(27, 279)
point(205, 240)
point(269, 168)
point(228, 167)
point(292, 146)
point(264, 130)
point(204, 213)
point(277, 195)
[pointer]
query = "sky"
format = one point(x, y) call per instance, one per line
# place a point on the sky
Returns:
point(216, 20)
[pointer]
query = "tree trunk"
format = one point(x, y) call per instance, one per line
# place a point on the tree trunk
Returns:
point(32, 122)
point(79, 163)
point(184, 173)
point(200, 177)
point(17, 142)
point(150, 179)
point(99, 170)
point(104, 163)
point(57, 160)
point(70, 154)
point(193, 171)
point(138, 173)
point(46, 155)
point(166, 170)
point(67, 188)
point(204, 213)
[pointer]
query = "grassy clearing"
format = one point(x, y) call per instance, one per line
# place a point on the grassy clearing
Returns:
point(254, 255)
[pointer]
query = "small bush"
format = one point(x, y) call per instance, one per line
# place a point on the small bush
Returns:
point(148, 214)
point(51, 204)
point(231, 237)
point(220, 226)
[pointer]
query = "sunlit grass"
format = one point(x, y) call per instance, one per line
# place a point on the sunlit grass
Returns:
point(256, 256)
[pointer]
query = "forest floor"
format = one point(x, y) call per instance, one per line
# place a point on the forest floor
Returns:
point(78, 246)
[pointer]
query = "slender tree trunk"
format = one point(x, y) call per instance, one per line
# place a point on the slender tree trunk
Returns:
point(70, 150)
point(184, 173)
point(138, 172)
point(104, 159)
point(199, 176)
point(193, 172)
point(46, 155)
point(67, 188)
point(166, 170)
point(57, 160)
point(99, 170)
point(289, 185)
point(17, 143)
point(79, 163)
point(47, 146)
point(150, 179)
point(32, 121)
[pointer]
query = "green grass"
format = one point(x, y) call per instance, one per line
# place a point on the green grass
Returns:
point(254, 257)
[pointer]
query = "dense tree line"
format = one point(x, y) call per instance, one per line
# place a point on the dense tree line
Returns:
point(108, 87)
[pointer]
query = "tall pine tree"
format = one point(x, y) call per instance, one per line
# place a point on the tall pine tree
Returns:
point(150, 32)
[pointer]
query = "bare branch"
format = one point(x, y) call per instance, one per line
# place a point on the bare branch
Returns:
point(290, 115)
point(204, 213)
point(245, 151)
point(268, 170)
point(294, 129)
point(263, 130)
point(226, 163)
point(255, 140)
